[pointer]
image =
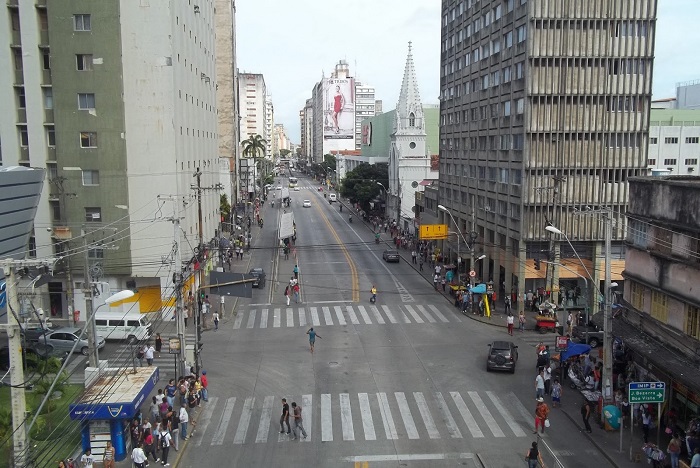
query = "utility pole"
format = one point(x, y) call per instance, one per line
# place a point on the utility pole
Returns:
point(472, 238)
point(19, 403)
point(551, 265)
point(200, 273)
point(607, 315)
point(90, 326)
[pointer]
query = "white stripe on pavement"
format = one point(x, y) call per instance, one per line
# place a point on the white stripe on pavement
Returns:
point(244, 422)
point(506, 415)
point(327, 316)
point(366, 413)
point(353, 317)
point(206, 419)
point(438, 313)
point(290, 317)
point(364, 315)
point(326, 418)
point(452, 427)
point(405, 413)
point(388, 313)
point(314, 317)
point(220, 433)
point(302, 317)
point(265, 417)
point(399, 457)
point(424, 411)
point(263, 318)
point(413, 313)
point(339, 315)
point(239, 320)
point(277, 318)
point(402, 315)
point(483, 410)
point(527, 416)
point(387, 420)
point(307, 416)
point(377, 315)
point(251, 319)
point(426, 314)
point(466, 415)
point(346, 417)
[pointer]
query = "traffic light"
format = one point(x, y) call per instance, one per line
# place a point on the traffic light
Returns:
point(537, 264)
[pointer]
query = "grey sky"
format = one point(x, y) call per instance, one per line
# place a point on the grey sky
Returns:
point(293, 42)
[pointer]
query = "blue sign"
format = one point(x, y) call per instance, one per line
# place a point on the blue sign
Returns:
point(647, 392)
point(3, 295)
point(647, 385)
point(100, 409)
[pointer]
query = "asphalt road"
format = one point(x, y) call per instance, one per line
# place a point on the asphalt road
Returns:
point(398, 383)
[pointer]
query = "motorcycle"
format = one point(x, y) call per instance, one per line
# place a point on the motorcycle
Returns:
point(373, 299)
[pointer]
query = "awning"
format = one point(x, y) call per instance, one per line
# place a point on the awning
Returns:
point(286, 225)
point(426, 182)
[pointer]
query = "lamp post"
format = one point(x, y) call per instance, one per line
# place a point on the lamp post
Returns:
point(606, 307)
point(459, 232)
point(387, 195)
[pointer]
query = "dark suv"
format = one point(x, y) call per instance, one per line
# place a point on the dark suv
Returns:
point(503, 355)
point(258, 275)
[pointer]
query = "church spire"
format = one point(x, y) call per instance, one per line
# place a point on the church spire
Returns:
point(409, 110)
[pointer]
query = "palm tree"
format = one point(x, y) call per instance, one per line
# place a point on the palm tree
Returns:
point(252, 148)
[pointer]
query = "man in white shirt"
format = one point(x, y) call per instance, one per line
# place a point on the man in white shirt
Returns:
point(138, 457)
point(165, 441)
point(547, 375)
point(149, 354)
point(87, 460)
point(539, 385)
point(184, 419)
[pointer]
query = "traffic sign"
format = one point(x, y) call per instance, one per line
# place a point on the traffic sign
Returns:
point(647, 392)
point(433, 231)
point(472, 274)
point(562, 343)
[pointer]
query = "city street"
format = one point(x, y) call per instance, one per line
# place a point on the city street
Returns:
point(399, 382)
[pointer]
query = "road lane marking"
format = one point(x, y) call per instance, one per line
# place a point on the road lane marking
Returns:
point(251, 319)
point(526, 415)
point(220, 433)
point(239, 320)
point(244, 422)
point(351, 313)
point(413, 313)
point(265, 417)
point(339, 315)
point(438, 313)
point(277, 318)
point(206, 419)
point(449, 421)
point(387, 420)
point(366, 413)
point(388, 313)
point(290, 317)
point(327, 316)
point(403, 292)
point(364, 315)
point(307, 416)
point(377, 315)
point(466, 415)
point(302, 317)
point(263, 318)
point(326, 418)
point(424, 411)
point(506, 414)
point(403, 316)
point(346, 417)
point(484, 411)
point(409, 457)
point(426, 314)
point(314, 317)
point(405, 412)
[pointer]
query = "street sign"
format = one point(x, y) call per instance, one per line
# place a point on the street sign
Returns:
point(647, 392)
point(562, 343)
point(472, 274)
point(433, 231)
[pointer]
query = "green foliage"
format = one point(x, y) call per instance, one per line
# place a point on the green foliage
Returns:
point(329, 162)
point(5, 422)
point(224, 206)
point(254, 146)
point(360, 184)
point(285, 152)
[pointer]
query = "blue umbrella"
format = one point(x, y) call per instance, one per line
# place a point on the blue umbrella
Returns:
point(574, 349)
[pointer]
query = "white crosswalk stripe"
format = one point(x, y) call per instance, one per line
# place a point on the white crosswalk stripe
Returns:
point(353, 317)
point(302, 317)
point(377, 315)
point(263, 318)
point(314, 317)
point(483, 414)
point(364, 315)
point(327, 316)
point(339, 315)
point(413, 313)
point(290, 318)
point(276, 318)
point(251, 319)
point(388, 313)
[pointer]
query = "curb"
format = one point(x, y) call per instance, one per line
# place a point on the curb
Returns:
point(592, 440)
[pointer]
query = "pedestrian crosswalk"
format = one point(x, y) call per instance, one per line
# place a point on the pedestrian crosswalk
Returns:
point(365, 417)
point(316, 316)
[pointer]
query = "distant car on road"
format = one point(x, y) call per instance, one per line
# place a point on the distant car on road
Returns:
point(259, 276)
point(279, 187)
point(391, 256)
point(503, 355)
point(62, 339)
point(307, 204)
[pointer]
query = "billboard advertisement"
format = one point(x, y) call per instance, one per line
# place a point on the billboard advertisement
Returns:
point(339, 109)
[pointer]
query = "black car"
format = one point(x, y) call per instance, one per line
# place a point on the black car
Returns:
point(503, 355)
point(590, 333)
point(259, 277)
point(391, 256)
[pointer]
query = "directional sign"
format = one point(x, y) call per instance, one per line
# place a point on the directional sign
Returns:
point(433, 231)
point(647, 392)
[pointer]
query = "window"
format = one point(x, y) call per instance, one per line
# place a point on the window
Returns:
point(93, 214)
point(495, 46)
point(518, 142)
point(497, 12)
point(506, 74)
point(86, 101)
point(637, 233)
point(96, 253)
point(17, 54)
point(671, 140)
point(46, 59)
point(692, 321)
point(43, 19)
point(670, 162)
point(51, 136)
point(91, 177)
point(508, 40)
point(659, 306)
point(653, 141)
point(83, 62)
point(48, 98)
point(637, 291)
point(692, 140)
point(519, 71)
point(21, 98)
point(14, 15)
point(506, 108)
point(691, 162)
point(23, 135)
point(412, 120)
point(521, 33)
point(509, 5)
point(81, 22)
point(651, 162)
point(88, 139)
point(663, 241)
point(520, 106)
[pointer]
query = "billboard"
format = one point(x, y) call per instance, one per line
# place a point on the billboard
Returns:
point(367, 134)
point(339, 109)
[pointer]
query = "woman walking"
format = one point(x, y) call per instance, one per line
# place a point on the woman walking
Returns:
point(159, 344)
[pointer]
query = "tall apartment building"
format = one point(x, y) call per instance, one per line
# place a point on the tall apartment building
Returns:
point(108, 117)
point(269, 134)
point(365, 107)
point(306, 137)
point(544, 111)
point(674, 141)
point(253, 97)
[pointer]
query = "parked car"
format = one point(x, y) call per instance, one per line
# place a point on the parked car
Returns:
point(62, 339)
point(307, 204)
point(503, 355)
point(34, 332)
point(588, 334)
point(259, 277)
point(391, 256)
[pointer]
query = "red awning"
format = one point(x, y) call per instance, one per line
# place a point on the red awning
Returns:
point(425, 182)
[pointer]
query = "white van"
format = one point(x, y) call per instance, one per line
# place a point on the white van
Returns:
point(332, 197)
point(131, 326)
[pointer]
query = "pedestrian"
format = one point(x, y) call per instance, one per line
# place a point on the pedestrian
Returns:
point(585, 414)
point(284, 419)
point(436, 280)
point(541, 413)
point(695, 461)
point(148, 352)
point(547, 374)
point(108, 456)
point(296, 271)
point(287, 292)
point(674, 450)
point(87, 460)
point(556, 393)
point(507, 305)
point(312, 337)
point(174, 426)
point(298, 421)
point(295, 289)
point(138, 456)
point(159, 344)
point(141, 354)
point(420, 264)
point(414, 256)
point(443, 282)
point(165, 440)
point(510, 320)
point(184, 418)
point(170, 391)
point(533, 457)
point(205, 385)
point(646, 424)
point(149, 446)
point(521, 321)
point(153, 408)
point(539, 384)
point(215, 317)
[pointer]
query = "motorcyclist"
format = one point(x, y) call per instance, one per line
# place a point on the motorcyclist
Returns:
point(374, 293)
point(273, 203)
point(376, 237)
point(350, 219)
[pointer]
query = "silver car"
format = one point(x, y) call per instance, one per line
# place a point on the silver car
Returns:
point(63, 339)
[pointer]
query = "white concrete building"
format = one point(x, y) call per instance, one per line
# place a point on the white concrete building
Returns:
point(269, 135)
point(253, 97)
point(365, 105)
point(674, 141)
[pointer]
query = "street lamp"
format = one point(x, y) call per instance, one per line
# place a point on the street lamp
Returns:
point(93, 352)
point(386, 198)
point(459, 232)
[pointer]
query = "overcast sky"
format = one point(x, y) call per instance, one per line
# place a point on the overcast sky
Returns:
point(293, 42)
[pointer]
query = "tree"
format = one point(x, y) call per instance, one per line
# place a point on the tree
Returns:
point(360, 184)
point(285, 152)
point(252, 147)
point(224, 207)
point(329, 162)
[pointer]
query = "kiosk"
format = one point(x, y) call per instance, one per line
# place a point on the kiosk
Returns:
point(106, 408)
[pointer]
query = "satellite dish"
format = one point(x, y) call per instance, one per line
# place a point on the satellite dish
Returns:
point(414, 184)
